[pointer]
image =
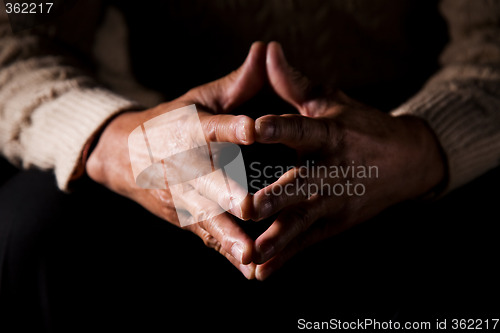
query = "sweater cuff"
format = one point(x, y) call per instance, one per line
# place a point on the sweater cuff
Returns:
point(68, 123)
point(466, 128)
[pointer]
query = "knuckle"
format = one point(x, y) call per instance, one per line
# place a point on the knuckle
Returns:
point(302, 182)
point(200, 184)
point(221, 241)
point(301, 217)
point(219, 193)
point(210, 225)
point(245, 126)
point(217, 246)
point(314, 106)
point(210, 241)
point(299, 129)
point(294, 127)
point(200, 215)
point(190, 94)
point(302, 178)
point(274, 200)
point(169, 214)
point(211, 128)
point(205, 214)
point(324, 134)
point(225, 245)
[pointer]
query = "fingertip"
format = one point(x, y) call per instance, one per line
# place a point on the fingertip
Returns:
point(229, 128)
point(256, 59)
point(265, 128)
point(275, 53)
point(274, 44)
point(242, 250)
point(264, 250)
point(241, 84)
point(248, 270)
point(247, 256)
point(241, 246)
point(276, 62)
point(262, 207)
point(257, 47)
point(247, 208)
point(245, 130)
point(262, 272)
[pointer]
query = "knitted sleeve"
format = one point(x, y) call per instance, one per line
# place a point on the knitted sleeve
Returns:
point(461, 102)
point(49, 108)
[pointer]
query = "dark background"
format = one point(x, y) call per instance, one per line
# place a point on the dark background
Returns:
point(93, 260)
point(102, 261)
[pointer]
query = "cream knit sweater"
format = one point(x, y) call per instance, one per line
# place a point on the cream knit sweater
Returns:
point(49, 108)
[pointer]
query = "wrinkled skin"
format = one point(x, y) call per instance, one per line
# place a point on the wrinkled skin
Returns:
point(334, 130)
point(109, 162)
point(331, 130)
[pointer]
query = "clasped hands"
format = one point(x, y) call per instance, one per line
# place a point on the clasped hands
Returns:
point(331, 130)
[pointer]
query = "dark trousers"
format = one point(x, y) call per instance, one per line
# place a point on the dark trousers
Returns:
point(94, 260)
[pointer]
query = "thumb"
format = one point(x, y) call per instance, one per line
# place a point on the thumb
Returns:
point(230, 91)
point(287, 82)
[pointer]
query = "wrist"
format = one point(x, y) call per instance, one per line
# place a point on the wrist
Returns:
point(87, 149)
point(90, 159)
point(429, 163)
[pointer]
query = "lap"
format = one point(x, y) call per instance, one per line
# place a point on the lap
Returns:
point(93, 254)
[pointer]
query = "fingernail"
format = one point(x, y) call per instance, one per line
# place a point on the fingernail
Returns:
point(266, 252)
point(235, 208)
point(248, 271)
point(266, 129)
point(245, 129)
point(237, 251)
point(281, 54)
point(263, 272)
point(241, 134)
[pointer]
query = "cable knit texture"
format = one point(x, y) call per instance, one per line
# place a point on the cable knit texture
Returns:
point(49, 108)
point(461, 102)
